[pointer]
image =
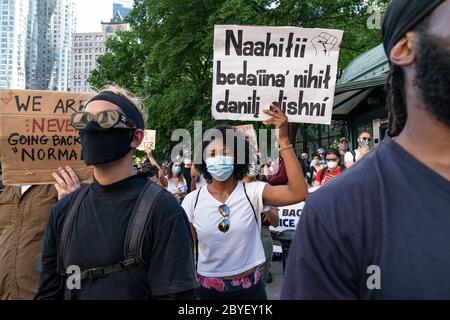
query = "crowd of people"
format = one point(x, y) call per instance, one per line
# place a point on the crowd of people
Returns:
point(205, 227)
point(328, 163)
point(200, 230)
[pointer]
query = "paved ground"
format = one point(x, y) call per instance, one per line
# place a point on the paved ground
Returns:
point(274, 289)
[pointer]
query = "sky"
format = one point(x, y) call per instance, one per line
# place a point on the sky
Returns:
point(91, 12)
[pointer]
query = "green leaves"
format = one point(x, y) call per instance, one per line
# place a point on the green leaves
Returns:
point(167, 55)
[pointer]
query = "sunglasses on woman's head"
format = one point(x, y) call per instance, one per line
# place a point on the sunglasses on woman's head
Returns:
point(105, 119)
point(224, 225)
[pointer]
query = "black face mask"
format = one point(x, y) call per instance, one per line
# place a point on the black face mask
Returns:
point(102, 146)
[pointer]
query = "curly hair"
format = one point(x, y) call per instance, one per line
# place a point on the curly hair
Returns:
point(240, 169)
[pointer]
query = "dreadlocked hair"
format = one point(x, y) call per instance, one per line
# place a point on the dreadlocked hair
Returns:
point(396, 104)
point(395, 88)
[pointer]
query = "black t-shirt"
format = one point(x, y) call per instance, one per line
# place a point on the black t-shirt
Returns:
point(381, 230)
point(97, 239)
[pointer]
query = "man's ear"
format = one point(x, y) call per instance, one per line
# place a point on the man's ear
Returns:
point(403, 54)
point(138, 136)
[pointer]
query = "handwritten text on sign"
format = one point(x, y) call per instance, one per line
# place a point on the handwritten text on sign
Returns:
point(255, 66)
point(36, 136)
point(148, 141)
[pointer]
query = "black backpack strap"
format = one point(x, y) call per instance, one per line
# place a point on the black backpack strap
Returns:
point(133, 240)
point(251, 204)
point(136, 231)
point(354, 155)
point(98, 272)
point(196, 239)
point(196, 197)
point(139, 220)
point(67, 227)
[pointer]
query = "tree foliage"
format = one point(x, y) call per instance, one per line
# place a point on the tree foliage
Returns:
point(167, 55)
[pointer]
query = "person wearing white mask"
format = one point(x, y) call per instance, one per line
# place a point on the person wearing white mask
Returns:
point(331, 171)
point(314, 168)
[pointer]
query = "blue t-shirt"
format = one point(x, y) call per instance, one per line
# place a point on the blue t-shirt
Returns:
point(379, 231)
point(97, 239)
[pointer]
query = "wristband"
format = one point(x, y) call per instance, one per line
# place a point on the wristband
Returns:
point(286, 148)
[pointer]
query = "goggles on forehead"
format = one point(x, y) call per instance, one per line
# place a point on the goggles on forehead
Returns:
point(105, 119)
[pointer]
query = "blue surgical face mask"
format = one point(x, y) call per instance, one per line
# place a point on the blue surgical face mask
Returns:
point(176, 170)
point(220, 167)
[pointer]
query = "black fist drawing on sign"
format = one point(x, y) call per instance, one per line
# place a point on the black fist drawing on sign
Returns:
point(324, 43)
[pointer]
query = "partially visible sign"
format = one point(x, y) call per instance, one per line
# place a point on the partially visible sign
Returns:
point(290, 215)
point(149, 140)
point(257, 65)
point(36, 136)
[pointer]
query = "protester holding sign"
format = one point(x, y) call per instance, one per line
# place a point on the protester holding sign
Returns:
point(160, 173)
point(23, 218)
point(256, 65)
point(390, 238)
point(94, 237)
point(226, 215)
point(36, 136)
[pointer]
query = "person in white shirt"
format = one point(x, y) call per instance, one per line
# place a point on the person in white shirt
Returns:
point(176, 184)
point(225, 215)
point(197, 179)
point(351, 157)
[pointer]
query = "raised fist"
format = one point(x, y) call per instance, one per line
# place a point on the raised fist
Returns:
point(324, 43)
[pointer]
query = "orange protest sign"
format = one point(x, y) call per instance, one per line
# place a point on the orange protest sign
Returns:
point(36, 136)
